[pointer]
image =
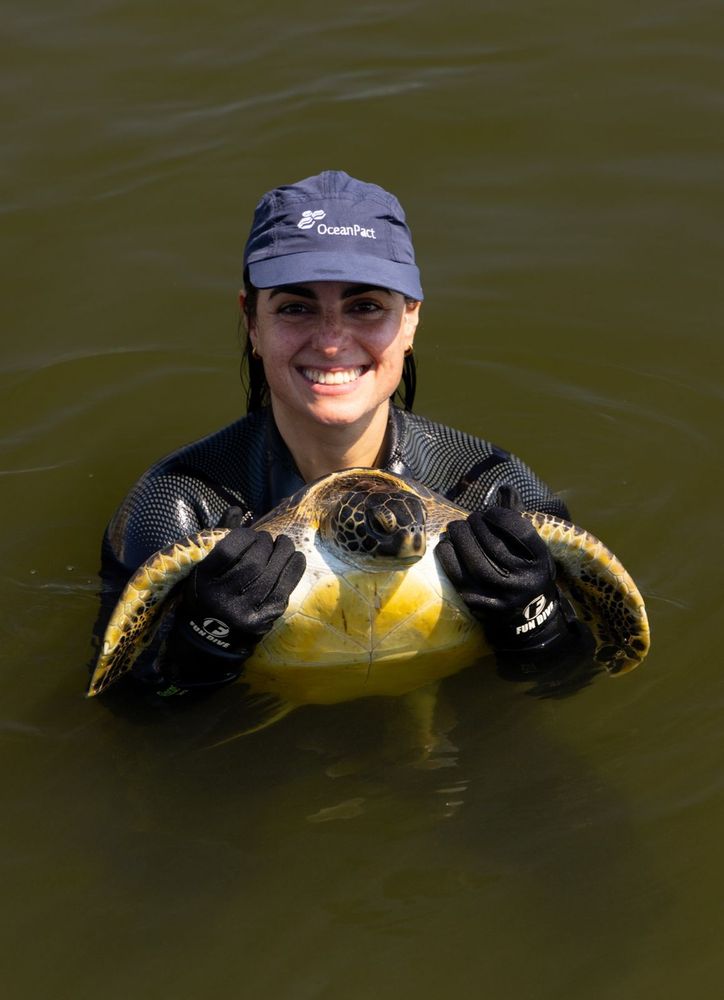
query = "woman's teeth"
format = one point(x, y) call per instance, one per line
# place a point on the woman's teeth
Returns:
point(332, 378)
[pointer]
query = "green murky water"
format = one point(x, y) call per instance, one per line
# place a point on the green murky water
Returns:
point(561, 166)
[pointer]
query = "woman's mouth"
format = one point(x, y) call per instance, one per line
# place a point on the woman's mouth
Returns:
point(340, 376)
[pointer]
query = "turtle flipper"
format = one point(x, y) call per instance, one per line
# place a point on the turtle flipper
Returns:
point(604, 594)
point(269, 709)
point(137, 614)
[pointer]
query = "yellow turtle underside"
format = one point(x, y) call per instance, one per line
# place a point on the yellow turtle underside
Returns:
point(361, 633)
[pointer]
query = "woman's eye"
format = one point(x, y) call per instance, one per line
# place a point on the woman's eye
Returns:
point(293, 309)
point(366, 306)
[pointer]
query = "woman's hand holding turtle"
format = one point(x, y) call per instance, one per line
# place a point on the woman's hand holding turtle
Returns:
point(229, 602)
point(505, 574)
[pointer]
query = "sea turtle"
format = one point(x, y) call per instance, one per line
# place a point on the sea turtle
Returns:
point(374, 614)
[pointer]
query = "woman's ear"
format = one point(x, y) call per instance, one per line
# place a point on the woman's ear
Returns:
point(245, 319)
point(412, 318)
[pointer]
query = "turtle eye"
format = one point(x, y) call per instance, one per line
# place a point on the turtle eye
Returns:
point(384, 519)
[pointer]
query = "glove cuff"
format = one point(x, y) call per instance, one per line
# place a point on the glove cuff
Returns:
point(190, 661)
point(536, 627)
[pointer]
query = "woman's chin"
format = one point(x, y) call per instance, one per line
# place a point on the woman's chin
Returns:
point(344, 410)
point(340, 411)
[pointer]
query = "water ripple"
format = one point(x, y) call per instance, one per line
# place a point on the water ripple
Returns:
point(547, 384)
point(36, 468)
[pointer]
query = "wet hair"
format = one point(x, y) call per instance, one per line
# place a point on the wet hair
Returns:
point(252, 369)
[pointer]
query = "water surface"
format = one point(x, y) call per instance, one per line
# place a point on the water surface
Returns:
point(561, 166)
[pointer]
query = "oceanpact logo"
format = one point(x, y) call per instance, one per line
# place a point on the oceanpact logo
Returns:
point(213, 630)
point(309, 218)
point(535, 614)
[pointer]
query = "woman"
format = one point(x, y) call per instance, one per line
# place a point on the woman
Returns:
point(331, 304)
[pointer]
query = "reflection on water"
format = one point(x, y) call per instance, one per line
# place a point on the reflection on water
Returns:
point(316, 831)
point(562, 174)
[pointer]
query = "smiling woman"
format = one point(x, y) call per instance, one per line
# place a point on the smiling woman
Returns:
point(332, 355)
point(331, 304)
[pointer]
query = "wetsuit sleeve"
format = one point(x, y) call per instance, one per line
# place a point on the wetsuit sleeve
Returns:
point(482, 483)
point(185, 492)
point(465, 469)
point(533, 492)
point(158, 511)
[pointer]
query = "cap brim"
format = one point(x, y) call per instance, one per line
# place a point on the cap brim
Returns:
point(298, 268)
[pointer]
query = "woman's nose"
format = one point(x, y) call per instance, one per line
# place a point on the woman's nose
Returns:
point(330, 330)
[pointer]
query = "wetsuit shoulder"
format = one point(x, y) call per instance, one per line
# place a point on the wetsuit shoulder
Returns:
point(467, 470)
point(189, 490)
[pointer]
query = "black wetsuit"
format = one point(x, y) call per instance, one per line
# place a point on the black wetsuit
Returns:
point(248, 465)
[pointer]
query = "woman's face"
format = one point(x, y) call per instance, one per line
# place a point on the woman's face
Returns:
point(332, 351)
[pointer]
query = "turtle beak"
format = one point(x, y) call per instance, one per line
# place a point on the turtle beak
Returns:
point(412, 542)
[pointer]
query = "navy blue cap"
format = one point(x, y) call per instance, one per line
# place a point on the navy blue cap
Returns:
point(331, 228)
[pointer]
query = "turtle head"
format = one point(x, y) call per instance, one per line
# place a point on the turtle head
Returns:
point(379, 523)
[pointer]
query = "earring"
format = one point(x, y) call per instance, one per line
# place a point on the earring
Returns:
point(254, 353)
point(408, 351)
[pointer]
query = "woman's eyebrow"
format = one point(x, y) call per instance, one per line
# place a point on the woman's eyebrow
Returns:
point(306, 293)
point(309, 293)
point(361, 289)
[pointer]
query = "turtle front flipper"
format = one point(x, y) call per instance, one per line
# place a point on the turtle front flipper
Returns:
point(137, 614)
point(604, 594)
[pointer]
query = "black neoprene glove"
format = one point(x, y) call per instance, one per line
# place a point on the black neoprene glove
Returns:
point(505, 574)
point(229, 602)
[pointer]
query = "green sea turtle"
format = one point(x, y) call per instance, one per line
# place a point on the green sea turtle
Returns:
point(374, 614)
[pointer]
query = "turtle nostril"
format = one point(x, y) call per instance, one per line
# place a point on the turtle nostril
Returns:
point(417, 541)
